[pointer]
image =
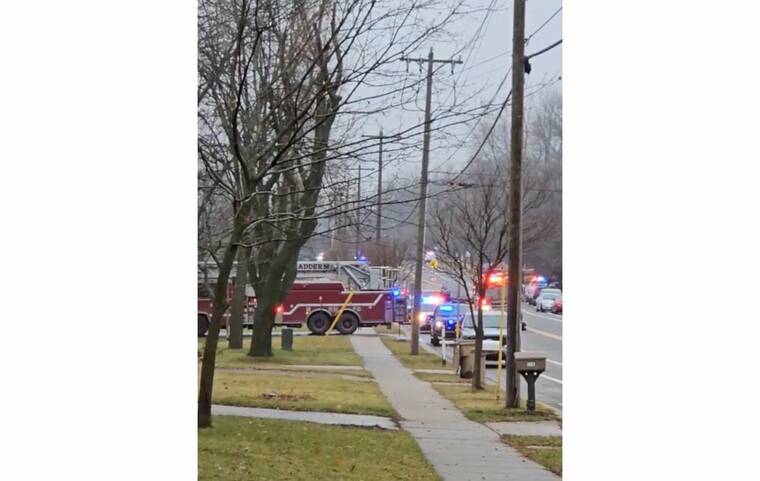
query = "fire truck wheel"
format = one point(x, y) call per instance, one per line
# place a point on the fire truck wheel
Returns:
point(202, 325)
point(318, 323)
point(348, 323)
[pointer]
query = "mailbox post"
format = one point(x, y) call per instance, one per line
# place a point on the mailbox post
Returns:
point(530, 365)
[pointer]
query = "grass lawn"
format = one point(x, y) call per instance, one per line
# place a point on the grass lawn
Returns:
point(301, 391)
point(424, 360)
point(436, 377)
point(481, 406)
point(313, 350)
point(545, 450)
point(296, 368)
point(243, 449)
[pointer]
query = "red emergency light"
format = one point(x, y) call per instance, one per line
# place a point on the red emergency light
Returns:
point(434, 300)
point(496, 279)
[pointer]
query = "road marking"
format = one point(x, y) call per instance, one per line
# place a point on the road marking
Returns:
point(545, 334)
point(554, 362)
point(544, 376)
point(542, 316)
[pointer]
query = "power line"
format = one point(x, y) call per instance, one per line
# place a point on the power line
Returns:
point(498, 89)
point(485, 139)
point(543, 25)
point(474, 126)
point(477, 41)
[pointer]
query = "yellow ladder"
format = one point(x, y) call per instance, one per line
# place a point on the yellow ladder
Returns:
point(340, 312)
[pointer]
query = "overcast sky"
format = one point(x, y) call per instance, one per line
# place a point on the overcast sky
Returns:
point(486, 61)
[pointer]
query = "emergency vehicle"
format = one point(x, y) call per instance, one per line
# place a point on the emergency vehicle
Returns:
point(207, 276)
point(320, 290)
point(429, 301)
point(365, 293)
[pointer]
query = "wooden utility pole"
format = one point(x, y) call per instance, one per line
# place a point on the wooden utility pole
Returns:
point(379, 188)
point(423, 197)
point(358, 211)
point(379, 204)
point(515, 197)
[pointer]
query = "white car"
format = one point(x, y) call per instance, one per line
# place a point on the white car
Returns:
point(491, 321)
point(545, 300)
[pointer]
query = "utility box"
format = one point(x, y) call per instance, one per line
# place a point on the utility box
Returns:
point(530, 361)
point(287, 339)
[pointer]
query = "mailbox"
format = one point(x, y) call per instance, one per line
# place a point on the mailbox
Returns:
point(530, 365)
point(530, 362)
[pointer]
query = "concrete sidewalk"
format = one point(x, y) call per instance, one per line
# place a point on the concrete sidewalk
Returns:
point(459, 449)
point(489, 381)
point(361, 420)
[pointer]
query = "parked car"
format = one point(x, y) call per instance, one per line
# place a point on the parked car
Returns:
point(557, 307)
point(491, 320)
point(445, 320)
point(531, 292)
point(545, 300)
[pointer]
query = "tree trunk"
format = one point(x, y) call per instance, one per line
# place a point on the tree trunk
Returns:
point(263, 321)
point(212, 338)
point(476, 384)
point(239, 300)
point(270, 291)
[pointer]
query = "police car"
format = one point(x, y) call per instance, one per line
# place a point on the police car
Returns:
point(444, 321)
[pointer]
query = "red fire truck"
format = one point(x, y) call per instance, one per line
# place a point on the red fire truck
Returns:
point(204, 308)
point(320, 290)
point(317, 303)
point(207, 275)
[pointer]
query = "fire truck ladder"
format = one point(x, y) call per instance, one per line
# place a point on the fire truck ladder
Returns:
point(373, 278)
point(359, 277)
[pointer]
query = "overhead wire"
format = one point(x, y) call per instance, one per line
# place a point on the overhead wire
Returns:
point(498, 89)
point(527, 39)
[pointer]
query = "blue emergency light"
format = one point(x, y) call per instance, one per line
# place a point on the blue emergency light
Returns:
point(447, 308)
point(396, 292)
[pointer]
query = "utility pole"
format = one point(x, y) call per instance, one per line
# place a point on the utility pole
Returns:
point(515, 197)
point(423, 197)
point(334, 221)
point(346, 217)
point(379, 204)
point(379, 189)
point(358, 211)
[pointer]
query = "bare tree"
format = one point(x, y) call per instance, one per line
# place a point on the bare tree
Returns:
point(544, 127)
point(469, 228)
point(273, 78)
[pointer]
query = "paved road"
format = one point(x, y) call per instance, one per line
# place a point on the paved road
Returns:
point(544, 334)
